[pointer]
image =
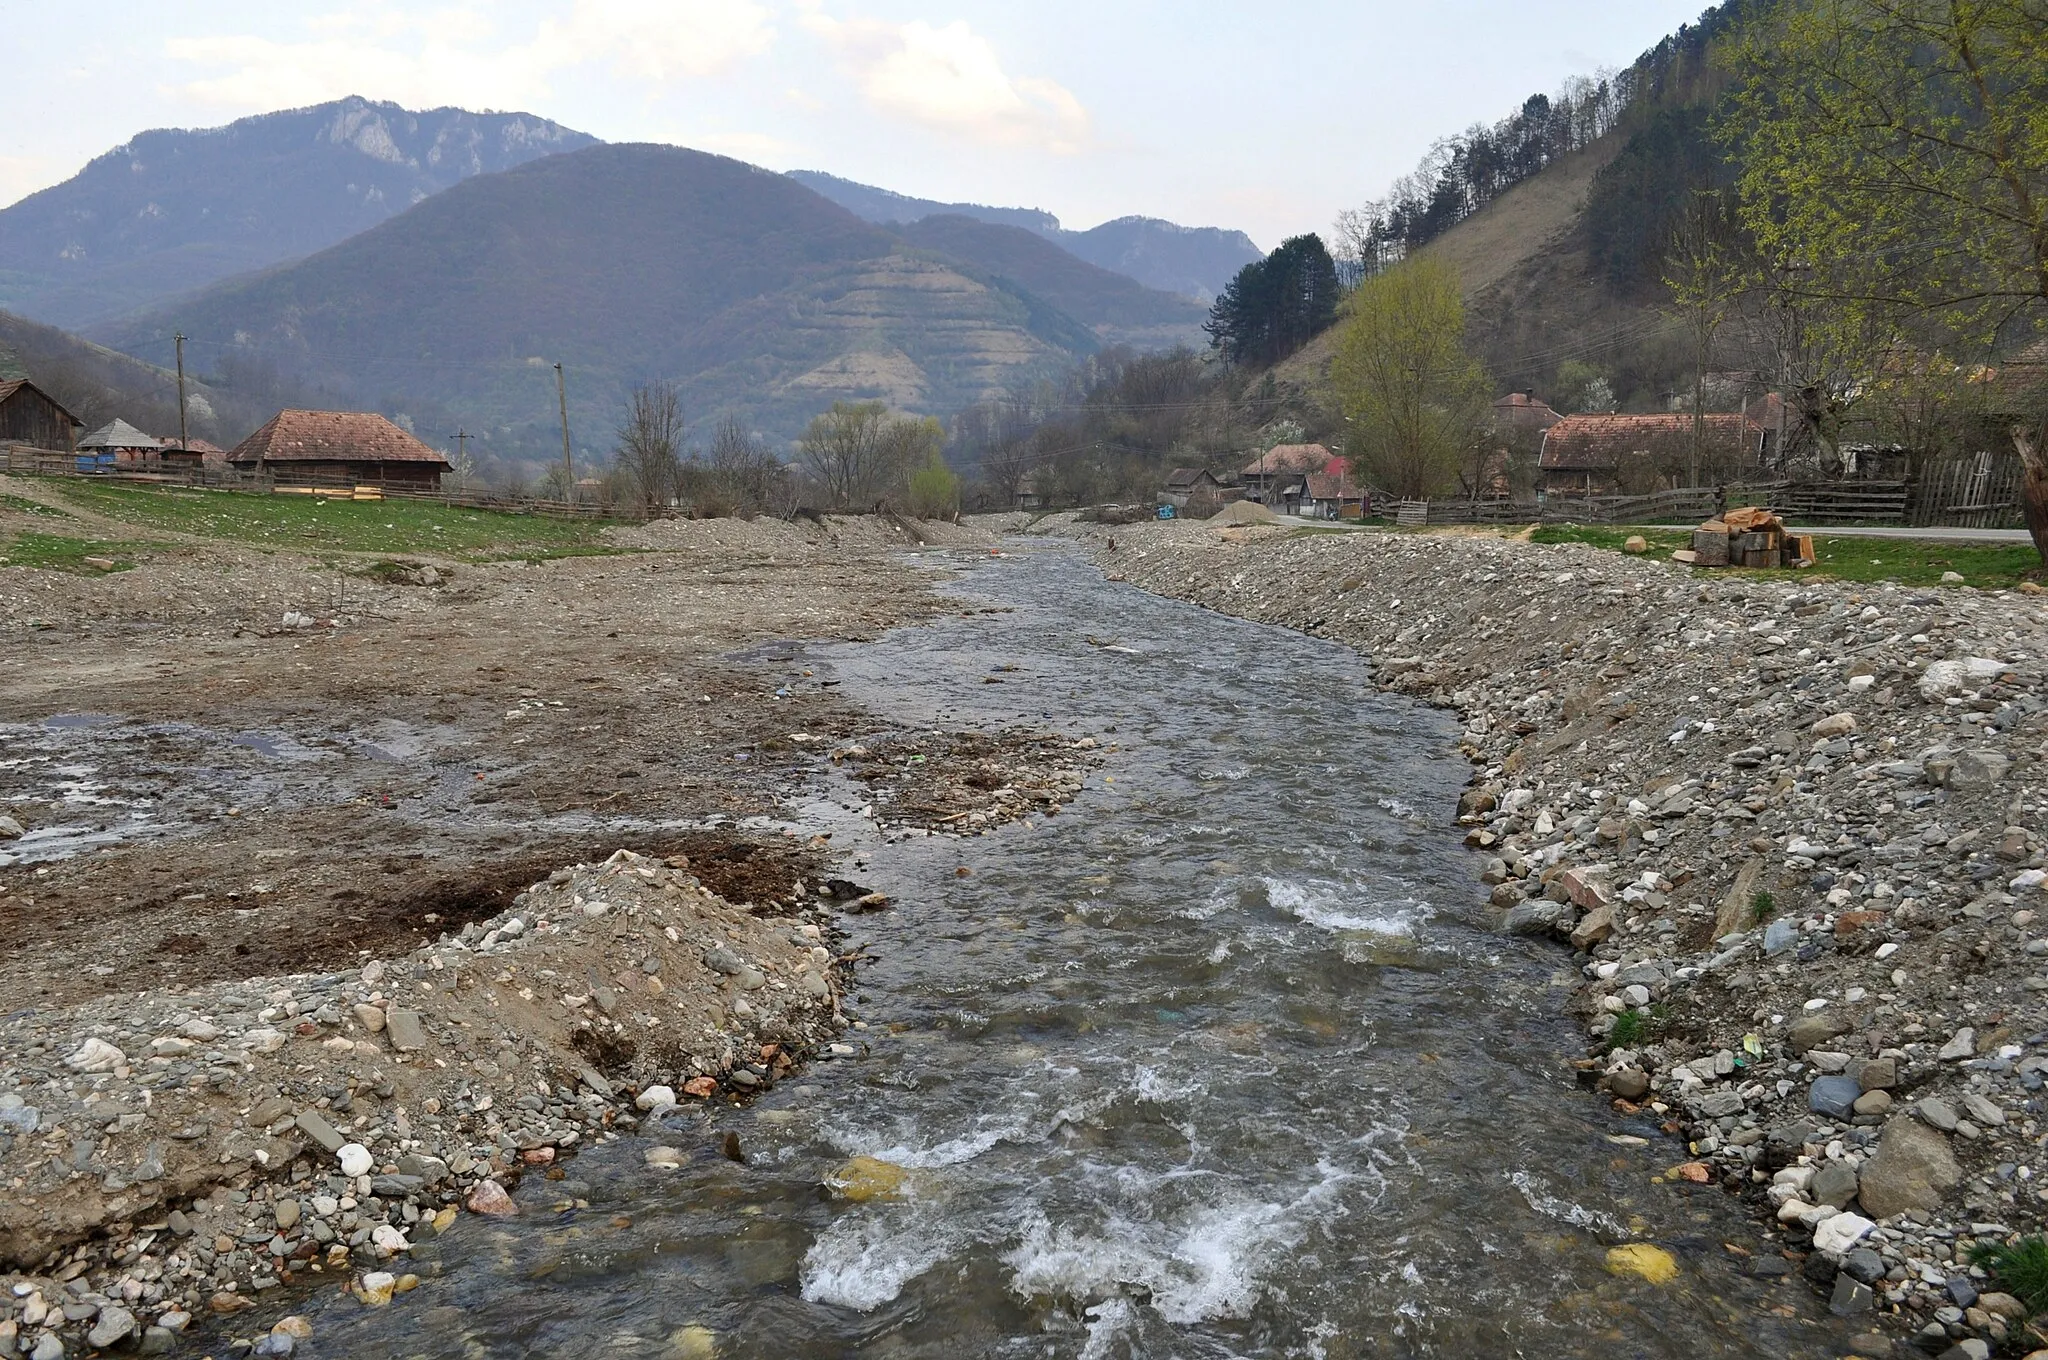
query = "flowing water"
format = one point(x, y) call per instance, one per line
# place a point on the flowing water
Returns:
point(1221, 1062)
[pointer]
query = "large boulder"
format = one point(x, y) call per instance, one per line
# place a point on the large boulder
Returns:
point(1913, 1168)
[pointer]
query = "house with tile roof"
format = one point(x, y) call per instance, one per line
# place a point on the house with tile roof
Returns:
point(1279, 476)
point(338, 447)
point(1596, 453)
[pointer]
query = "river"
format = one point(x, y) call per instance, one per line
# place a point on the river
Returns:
point(1222, 1062)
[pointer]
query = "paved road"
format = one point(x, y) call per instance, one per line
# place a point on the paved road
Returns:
point(1934, 535)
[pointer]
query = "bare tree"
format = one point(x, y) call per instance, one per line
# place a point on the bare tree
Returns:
point(742, 472)
point(858, 453)
point(1704, 272)
point(650, 453)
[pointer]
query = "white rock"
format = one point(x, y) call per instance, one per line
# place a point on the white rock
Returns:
point(264, 1040)
point(389, 1238)
point(200, 1031)
point(355, 1159)
point(1793, 1210)
point(655, 1098)
point(2027, 880)
point(1841, 1232)
point(96, 1055)
point(1887, 949)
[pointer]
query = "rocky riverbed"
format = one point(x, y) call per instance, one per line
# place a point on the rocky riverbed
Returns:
point(1794, 831)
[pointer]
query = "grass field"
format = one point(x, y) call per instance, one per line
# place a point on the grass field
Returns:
point(309, 524)
point(1907, 561)
point(54, 552)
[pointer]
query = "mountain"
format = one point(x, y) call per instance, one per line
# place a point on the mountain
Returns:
point(1563, 265)
point(174, 210)
point(631, 263)
point(885, 206)
point(1116, 307)
point(1193, 261)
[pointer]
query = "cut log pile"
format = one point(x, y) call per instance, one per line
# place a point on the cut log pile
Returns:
point(1749, 537)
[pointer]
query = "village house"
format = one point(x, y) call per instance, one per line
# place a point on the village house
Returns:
point(1030, 495)
point(1198, 492)
point(339, 447)
point(1278, 478)
point(193, 453)
point(1597, 453)
point(114, 444)
point(29, 415)
point(1333, 494)
point(1520, 411)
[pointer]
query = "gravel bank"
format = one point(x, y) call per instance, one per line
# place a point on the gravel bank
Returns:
point(181, 1153)
point(1794, 831)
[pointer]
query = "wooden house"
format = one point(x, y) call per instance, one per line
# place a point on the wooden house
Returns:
point(29, 415)
point(338, 447)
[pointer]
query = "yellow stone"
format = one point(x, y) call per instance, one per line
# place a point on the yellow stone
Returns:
point(445, 1219)
point(866, 1178)
point(692, 1343)
point(1640, 1258)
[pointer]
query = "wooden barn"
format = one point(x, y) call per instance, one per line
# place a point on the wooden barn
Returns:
point(338, 447)
point(29, 415)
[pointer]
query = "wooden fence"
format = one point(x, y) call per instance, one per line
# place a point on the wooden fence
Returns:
point(1981, 492)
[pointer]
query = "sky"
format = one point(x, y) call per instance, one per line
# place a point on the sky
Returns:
point(1268, 117)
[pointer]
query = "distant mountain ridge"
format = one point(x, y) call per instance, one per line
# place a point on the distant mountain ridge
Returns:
point(633, 263)
point(1193, 261)
point(174, 210)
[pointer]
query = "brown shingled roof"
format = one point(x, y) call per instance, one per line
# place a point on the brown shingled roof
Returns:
point(1596, 441)
point(332, 437)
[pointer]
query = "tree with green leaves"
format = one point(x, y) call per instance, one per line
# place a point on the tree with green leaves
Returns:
point(934, 489)
point(1896, 161)
point(1416, 400)
point(1276, 305)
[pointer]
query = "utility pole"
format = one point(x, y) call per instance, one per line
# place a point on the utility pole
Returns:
point(568, 463)
point(461, 455)
point(184, 440)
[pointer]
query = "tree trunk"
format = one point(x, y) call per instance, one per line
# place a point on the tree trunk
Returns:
point(2033, 450)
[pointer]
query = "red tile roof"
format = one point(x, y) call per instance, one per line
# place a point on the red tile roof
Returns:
point(1285, 458)
point(332, 437)
point(1521, 409)
point(1594, 441)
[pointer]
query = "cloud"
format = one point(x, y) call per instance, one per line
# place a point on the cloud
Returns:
point(448, 55)
point(948, 77)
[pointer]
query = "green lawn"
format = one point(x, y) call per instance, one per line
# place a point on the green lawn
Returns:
point(1907, 561)
point(310, 524)
point(52, 552)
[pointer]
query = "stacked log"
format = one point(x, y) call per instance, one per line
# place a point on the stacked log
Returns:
point(1750, 537)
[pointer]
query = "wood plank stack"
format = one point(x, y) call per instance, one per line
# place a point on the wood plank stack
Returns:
point(1750, 537)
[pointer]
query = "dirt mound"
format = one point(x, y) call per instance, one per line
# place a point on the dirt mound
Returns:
point(1243, 512)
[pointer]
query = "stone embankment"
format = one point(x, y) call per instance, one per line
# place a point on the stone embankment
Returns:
point(183, 1152)
point(1796, 831)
